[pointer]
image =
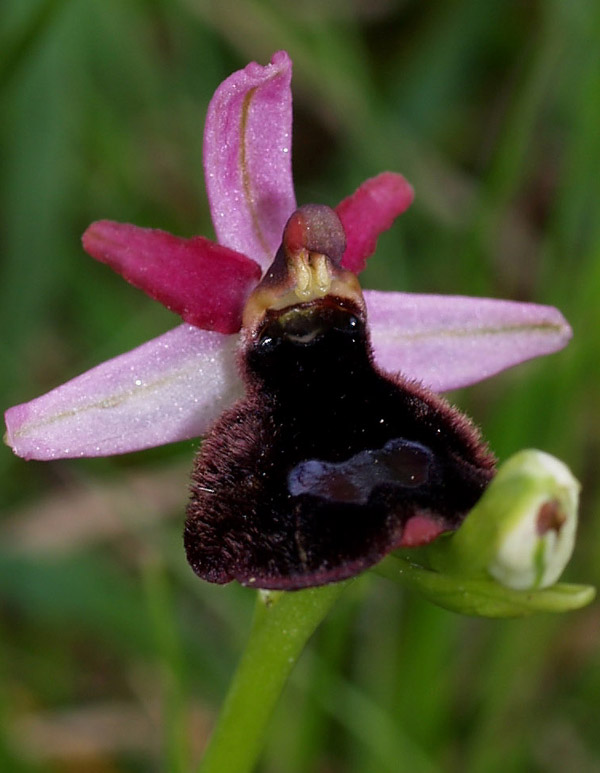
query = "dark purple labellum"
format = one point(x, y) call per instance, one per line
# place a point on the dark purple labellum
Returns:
point(327, 464)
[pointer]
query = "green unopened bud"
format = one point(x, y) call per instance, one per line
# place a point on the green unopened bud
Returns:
point(522, 530)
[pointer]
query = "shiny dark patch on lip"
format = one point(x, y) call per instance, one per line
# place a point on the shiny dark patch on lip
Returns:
point(263, 513)
point(302, 324)
point(399, 463)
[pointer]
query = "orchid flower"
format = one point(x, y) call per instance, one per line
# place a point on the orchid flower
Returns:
point(272, 276)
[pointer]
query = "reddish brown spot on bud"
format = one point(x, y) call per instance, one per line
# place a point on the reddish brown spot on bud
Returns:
point(550, 517)
point(316, 228)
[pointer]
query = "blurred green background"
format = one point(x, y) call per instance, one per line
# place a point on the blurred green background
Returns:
point(113, 656)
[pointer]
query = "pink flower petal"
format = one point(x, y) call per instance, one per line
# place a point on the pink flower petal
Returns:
point(248, 158)
point(203, 282)
point(370, 210)
point(450, 341)
point(168, 389)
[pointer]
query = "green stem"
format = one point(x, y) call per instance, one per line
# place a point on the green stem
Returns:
point(283, 623)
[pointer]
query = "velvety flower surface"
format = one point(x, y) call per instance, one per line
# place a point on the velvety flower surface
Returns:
point(176, 386)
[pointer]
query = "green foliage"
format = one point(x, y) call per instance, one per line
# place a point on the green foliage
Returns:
point(106, 638)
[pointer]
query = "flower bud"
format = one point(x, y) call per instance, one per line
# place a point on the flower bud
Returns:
point(522, 530)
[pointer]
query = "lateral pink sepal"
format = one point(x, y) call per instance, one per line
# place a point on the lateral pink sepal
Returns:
point(170, 388)
point(452, 341)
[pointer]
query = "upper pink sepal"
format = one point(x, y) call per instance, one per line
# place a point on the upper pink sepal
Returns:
point(170, 388)
point(451, 341)
point(369, 211)
point(248, 158)
point(203, 282)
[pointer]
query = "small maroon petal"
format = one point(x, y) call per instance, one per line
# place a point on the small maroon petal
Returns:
point(205, 283)
point(369, 211)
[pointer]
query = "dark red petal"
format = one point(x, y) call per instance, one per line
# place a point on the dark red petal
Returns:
point(369, 211)
point(203, 282)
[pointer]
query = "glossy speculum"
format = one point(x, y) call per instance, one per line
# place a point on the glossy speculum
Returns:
point(327, 464)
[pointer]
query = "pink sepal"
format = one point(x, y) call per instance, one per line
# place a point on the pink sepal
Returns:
point(170, 388)
point(248, 158)
point(451, 341)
